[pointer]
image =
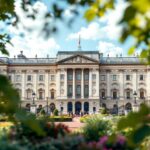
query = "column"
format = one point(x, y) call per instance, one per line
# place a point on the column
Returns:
point(73, 84)
point(82, 83)
point(108, 86)
point(82, 106)
point(65, 83)
point(97, 83)
point(46, 85)
point(35, 84)
point(90, 83)
point(23, 86)
point(58, 83)
point(121, 85)
point(73, 107)
point(134, 82)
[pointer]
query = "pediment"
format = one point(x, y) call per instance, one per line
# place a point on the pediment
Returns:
point(78, 59)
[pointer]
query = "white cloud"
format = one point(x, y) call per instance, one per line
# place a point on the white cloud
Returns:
point(32, 46)
point(109, 48)
point(105, 28)
point(68, 12)
point(32, 42)
point(89, 33)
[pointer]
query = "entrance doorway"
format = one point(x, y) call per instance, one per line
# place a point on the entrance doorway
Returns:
point(69, 107)
point(86, 107)
point(78, 108)
point(52, 107)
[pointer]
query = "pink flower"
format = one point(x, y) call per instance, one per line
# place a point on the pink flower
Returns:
point(103, 140)
point(121, 139)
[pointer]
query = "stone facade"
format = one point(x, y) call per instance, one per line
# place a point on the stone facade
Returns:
point(78, 81)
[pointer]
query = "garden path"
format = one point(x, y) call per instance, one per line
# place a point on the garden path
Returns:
point(74, 125)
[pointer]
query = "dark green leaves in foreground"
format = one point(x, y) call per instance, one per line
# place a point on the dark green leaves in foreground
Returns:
point(139, 122)
point(10, 106)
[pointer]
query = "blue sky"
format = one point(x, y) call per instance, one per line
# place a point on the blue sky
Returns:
point(101, 34)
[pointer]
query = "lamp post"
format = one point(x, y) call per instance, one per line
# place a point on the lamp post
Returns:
point(135, 96)
point(61, 108)
point(33, 98)
point(47, 105)
point(117, 106)
point(135, 105)
point(33, 106)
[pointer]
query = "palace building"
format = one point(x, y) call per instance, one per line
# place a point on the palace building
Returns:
point(78, 81)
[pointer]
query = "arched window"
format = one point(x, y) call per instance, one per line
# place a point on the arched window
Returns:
point(141, 94)
point(114, 94)
point(103, 94)
point(128, 107)
point(86, 107)
point(128, 94)
point(28, 107)
point(52, 94)
point(29, 93)
point(41, 94)
point(69, 107)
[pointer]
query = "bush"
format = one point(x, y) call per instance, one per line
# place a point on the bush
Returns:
point(56, 112)
point(60, 118)
point(42, 112)
point(84, 118)
point(96, 127)
point(21, 131)
point(3, 118)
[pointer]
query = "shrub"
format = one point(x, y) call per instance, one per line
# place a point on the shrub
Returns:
point(21, 131)
point(96, 127)
point(84, 118)
point(3, 118)
point(56, 112)
point(42, 112)
point(66, 143)
point(60, 118)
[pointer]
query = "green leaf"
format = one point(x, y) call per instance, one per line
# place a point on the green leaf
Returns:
point(140, 134)
point(131, 50)
point(90, 14)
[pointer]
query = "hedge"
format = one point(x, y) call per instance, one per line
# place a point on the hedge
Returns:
point(60, 118)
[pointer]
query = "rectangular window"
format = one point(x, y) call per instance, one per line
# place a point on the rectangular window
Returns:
point(86, 91)
point(52, 77)
point(78, 91)
point(141, 77)
point(61, 76)
point(69, 90)
point(41, 77)
point(9, 77)
point(41, 95)
point(103, 94)
point(128, 95)
point(102, 77)
point(70, 77)
point(128, 77)
point(18, 78)
point(78, 76)
point(93, 76)
point(86, 76)
point(114, 95)
point(114, 77)
point(29, 78)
